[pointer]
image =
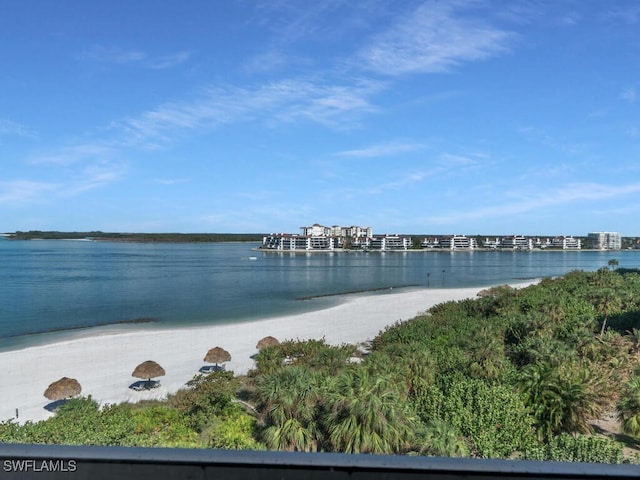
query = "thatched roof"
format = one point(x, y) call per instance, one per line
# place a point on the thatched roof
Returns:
point(63, 388)
point(217, 355)
point(148, 369)
point(267, 342)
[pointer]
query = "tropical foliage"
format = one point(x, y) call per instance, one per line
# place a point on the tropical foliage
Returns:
point(515, 373)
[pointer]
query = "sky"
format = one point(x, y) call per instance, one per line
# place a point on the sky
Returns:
point(249, 116)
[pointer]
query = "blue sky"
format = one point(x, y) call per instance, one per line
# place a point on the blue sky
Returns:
point(474, 117)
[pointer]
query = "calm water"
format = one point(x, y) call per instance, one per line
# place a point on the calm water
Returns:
point(53, 286)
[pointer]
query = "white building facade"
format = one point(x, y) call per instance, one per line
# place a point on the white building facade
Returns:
point(319, 237)
point(566, 243)
point(517, 242)
point(604, 241)
point(458, 242)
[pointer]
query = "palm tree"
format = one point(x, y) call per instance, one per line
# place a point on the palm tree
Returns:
point(607, 303)
point(562, 399)
point(367, 414)
point(486, 347)
point(634, 333)
point(287, 402)
point(629, 407)
point(441, 440)
point(613, 263)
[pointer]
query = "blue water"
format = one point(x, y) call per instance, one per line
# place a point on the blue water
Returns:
point(48, 287)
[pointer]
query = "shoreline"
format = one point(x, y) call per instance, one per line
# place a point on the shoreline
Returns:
point(103, 362)
point(436, 250)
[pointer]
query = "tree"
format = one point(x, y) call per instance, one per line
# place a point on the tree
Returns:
point(561, 398)
point(207, 396)
point(441, 440)
point(287, 402)
point(629, 407)
point(368, 414)
point(613, 263)
point(634, 334)
point(607, 303)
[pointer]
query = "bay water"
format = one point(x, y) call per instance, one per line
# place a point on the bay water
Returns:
point(51, 289)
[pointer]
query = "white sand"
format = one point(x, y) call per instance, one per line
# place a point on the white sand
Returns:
point(103, 363)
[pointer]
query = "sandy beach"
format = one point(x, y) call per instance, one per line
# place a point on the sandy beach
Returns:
point(103, 363)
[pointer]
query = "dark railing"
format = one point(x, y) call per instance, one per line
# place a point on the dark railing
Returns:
point(53, 461)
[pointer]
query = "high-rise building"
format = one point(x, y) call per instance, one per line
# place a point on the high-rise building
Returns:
point(604, 241)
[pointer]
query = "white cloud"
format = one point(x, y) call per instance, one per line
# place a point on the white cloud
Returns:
point(523, 203)
point(118, 56)
point(285, 101)
point(19, 192)
point(169, 181)
point(10, 128)
point(93, 176)
point(633, 132)
point(433, 39)
point(629, 15)
point(382, 150)
point(266, 62)
point(169, 61)
point(72, 154)
point(630, 95)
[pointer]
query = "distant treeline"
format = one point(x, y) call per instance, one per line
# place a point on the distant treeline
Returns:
point(137, 237)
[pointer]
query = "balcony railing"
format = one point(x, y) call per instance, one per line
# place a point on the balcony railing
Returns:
point(53, 461)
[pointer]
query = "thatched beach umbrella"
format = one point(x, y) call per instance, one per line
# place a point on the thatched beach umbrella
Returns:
point(217, 355)
point(63, 388)
point(267, 342)
point(148, 370)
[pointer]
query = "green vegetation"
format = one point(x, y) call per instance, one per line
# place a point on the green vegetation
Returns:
point(515, 373)
point(138, 237)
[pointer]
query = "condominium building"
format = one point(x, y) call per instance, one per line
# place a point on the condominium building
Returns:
point(320, 237)
point(542, 243)
point(390, 242)
point(517, 242)
point(456, 242)
point(355, 232)
point(604, 241)
point(567, 243)
point(492, 242)
point(285, 242)
point(433, 242)
point(318, 230)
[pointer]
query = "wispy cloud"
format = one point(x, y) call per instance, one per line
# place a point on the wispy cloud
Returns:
point(435, 38)
point(10, 128)
point(523, 203)
point(542, 137)
point(443, 165)
point(323, 21)
point(275, 103)
point(101, 54)
point(93, 176)
point(118, 56)
point(169, 181)
point(169, 61)
point(633, 132)
point(382, 150)
point(629, 14)
point(630, 95)
point(266, 62)
point(72, 154)
point(20, 192)
point(69, 184)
